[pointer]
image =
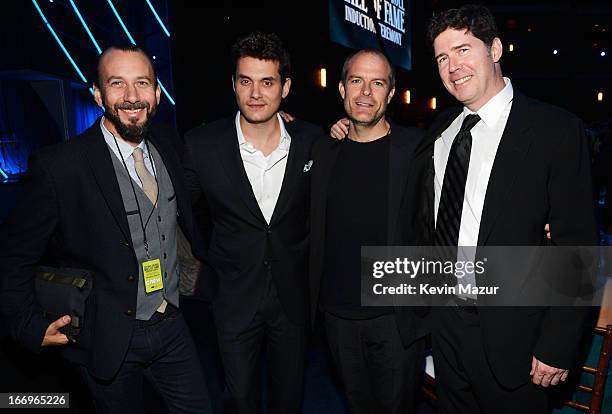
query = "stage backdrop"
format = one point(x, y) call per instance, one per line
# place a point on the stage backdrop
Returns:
point(382, 24)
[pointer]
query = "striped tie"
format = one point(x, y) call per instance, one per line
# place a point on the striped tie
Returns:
point(453, 189)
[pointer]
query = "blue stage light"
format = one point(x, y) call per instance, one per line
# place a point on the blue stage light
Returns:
point(112, 6)
point(133, 42)
point(3, 174)
point(165, 92)
point(158, 19)
point(59, 42)
point(78, 13)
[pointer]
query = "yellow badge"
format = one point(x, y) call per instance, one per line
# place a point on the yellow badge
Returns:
point(151, 270)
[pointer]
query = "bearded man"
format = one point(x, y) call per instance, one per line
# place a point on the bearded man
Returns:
point(110, 201)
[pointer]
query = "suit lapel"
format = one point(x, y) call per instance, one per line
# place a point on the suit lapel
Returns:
point(229, 153)
point(99, 161)
point(322, 174)
point(292, 173)
point(513, 147)
point(172, 165)
point(399, 164)
point(426, 150)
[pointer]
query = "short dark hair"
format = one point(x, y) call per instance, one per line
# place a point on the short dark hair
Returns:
point(474, 18)
point(263, 46)
point(371, 51)
point(128, 47)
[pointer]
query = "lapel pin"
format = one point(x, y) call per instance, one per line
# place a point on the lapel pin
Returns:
point(307, 166)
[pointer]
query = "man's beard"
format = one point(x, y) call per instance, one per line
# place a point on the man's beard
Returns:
point(130, 132)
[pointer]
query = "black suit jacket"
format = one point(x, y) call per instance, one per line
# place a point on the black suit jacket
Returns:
point(242, 247)
point(403, 143)
point(541, 174)
point(71, 211)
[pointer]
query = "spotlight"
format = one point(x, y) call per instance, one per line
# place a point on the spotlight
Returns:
point(407, 97)
point(323, 77)
point(555, 52)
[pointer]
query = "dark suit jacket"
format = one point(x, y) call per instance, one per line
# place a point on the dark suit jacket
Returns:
point(541, 174)
point(242, 247)
point(403, 143)
point(71, 210)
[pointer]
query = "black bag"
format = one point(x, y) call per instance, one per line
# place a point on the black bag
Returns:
point(62, 292)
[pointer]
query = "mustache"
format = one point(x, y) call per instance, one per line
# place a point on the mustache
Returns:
point(128, 106)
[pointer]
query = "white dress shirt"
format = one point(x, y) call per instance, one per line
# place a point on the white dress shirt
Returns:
point(265, 173)
point(126, 153)
point(486, 135)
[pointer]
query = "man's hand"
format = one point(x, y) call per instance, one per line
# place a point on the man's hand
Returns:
point(53, 336)
point(547, 230)
point(340, 129)
point(545, 375)
point(286, 117)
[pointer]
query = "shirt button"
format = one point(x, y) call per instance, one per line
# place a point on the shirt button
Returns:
point(165, 275)
point(165, 256)
point(159, 218)
point(163, 237)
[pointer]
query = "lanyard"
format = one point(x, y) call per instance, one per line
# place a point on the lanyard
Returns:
point(143, 224)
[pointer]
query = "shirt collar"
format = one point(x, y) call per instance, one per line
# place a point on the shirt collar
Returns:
point(491, 112)
point(125, 148)
point(285, 138)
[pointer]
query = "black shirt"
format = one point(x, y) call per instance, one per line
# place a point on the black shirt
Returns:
point(356, 216)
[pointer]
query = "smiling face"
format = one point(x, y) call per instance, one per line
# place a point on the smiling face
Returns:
point(259, 89)
point(469, 69)
point(128, 93)
point(367, 89)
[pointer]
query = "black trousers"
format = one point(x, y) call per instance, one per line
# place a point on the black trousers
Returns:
point(379, 374)
point(162, 351)
point(241, 351)
point(465, 383)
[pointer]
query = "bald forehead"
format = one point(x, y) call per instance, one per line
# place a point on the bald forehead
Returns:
point(119, 63)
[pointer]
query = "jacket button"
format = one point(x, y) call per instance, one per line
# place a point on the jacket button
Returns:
point(269, 231)
point(131, 279)
point(129, 312)
point(266, 263)
point(124, 243)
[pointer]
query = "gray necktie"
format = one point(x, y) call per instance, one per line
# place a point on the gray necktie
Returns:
point(149, 185)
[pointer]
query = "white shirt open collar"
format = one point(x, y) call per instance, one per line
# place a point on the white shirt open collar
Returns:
point(283, 145)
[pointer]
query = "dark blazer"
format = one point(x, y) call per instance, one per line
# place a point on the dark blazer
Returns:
point(242, 247)
point(403, 143)
point(541, 174)
point(71, 211)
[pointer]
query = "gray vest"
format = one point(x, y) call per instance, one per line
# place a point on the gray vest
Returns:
point(160, 230)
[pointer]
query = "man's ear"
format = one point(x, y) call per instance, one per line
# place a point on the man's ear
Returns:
point(233, 83)
point(158, 93)
point(341, 89)
point(497, 49)
point(391, 93)
point(98, 96)
point(286, 87)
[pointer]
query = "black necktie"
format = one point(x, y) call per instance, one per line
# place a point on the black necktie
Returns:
point(453, 188)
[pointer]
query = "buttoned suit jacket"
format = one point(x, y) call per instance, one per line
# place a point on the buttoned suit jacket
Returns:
point(242, 248)
point(541, 174)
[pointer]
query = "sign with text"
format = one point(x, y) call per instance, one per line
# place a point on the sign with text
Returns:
point(361, 23)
